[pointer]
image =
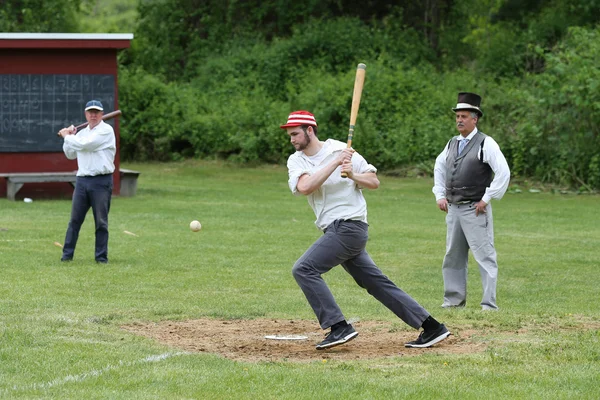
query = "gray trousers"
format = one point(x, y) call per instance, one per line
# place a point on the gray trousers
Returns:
point(467, 231)
point(344, 243)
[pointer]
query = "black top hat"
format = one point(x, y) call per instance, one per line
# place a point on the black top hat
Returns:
point(469, 101)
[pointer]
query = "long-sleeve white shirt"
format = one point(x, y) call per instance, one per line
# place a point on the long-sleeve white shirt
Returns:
point(492, 155)
point(337, 198)
point(94, 150)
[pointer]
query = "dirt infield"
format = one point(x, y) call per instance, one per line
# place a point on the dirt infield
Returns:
point(245, 340)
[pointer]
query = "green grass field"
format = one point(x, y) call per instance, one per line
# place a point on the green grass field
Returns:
point(61, 324)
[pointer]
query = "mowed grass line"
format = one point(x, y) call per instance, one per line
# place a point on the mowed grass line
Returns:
point(60, 333)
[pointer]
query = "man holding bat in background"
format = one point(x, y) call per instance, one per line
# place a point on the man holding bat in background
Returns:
point(315, 170)
point(94, 147)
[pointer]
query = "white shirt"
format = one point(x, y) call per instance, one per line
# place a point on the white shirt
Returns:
point(491, 156)
point(337, 198)
point(94, 150)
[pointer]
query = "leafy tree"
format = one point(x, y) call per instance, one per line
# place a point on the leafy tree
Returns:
point(510, 37)
point(39, 16)
point(175, 36)
point(108, 16)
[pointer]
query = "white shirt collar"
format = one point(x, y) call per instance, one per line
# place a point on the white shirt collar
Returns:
point(469, 136)
point(329, 146)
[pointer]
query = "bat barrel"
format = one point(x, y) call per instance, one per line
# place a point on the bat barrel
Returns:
point(361, 70)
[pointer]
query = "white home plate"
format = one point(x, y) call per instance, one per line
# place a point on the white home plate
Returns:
point(286, 337)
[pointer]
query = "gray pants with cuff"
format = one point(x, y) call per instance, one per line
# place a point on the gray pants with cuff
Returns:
point(344, 243)
point(468, 231)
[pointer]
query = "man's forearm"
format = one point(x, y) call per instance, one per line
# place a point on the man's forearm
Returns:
point(309, 183)
point(367, 180)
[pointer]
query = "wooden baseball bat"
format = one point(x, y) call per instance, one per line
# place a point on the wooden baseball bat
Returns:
point(359, 81)
point(105, 117)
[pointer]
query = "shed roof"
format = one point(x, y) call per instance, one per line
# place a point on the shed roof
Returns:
point(65, 40)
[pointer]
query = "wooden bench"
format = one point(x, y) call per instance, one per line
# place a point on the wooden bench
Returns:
point(15, 181)
point(128, 182)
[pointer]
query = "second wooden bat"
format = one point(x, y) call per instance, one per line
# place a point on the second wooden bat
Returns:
point(359, 82)
point(105, 117)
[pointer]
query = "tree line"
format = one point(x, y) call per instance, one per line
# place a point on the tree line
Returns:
point(214, 79)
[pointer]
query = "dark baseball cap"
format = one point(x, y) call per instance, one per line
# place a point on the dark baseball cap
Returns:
point(94, 105)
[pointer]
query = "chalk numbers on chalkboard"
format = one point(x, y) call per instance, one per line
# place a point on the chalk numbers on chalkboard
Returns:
point(33, 107)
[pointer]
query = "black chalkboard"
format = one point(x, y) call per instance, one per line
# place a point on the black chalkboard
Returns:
point(34, 107)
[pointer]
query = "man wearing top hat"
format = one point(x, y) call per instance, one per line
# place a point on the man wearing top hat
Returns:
point(469, 172)
point(94, 147)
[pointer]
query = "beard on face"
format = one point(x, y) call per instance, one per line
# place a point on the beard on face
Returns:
point(303, 145)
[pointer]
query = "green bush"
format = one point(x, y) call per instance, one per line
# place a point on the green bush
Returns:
point(553, 118)
point(146, 116)
point(235, 103)
point(545, 123)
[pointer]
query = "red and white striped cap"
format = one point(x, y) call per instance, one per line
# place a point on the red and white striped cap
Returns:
point(298, 118)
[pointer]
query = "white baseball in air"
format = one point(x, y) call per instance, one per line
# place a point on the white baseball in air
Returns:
point(195, 226)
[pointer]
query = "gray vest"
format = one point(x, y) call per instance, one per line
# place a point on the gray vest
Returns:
point(466, 176)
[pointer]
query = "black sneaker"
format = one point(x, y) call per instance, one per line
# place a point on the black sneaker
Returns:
point(428, 339)
point(66, 259)
point(337, 337)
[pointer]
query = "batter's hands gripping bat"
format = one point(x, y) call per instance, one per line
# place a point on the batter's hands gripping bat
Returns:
point(358, 87)
point(105, 117)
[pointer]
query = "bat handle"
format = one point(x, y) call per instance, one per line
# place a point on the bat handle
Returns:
point(349, 144)
point(76, 129)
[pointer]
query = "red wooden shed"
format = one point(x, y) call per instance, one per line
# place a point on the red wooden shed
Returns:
point(45, 81)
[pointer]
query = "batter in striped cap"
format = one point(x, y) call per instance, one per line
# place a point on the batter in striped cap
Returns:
point(341, 211)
